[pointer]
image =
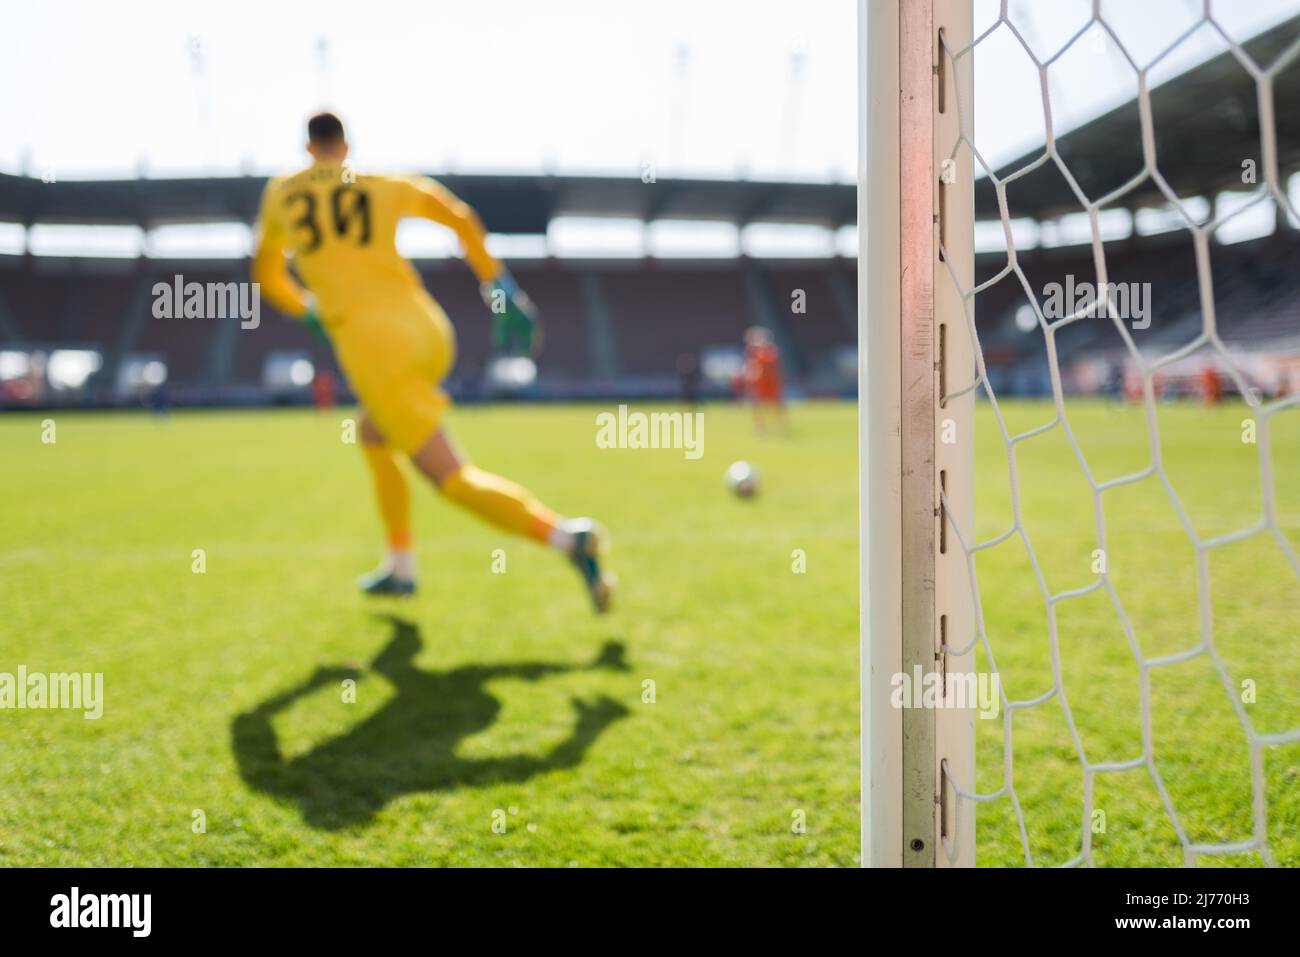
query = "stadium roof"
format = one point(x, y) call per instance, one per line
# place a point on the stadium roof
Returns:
point(1206, 123)
point(507, 204)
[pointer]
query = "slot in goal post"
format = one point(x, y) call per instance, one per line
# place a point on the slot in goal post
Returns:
point(922, 377)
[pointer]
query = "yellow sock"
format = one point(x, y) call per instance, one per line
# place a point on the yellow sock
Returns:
point(392, 494)
point(501, 502)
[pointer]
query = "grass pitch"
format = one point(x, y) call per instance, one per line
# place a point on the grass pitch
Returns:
point(497, 721)
point(492, 723)
point(1251, 596)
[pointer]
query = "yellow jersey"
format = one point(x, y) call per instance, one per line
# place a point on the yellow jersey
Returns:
point(340, 229)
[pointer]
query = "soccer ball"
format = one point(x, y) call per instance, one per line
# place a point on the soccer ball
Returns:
point(742, 478)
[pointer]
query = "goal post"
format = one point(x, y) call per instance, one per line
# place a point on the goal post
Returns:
point(915, 215)
point(1150, 514)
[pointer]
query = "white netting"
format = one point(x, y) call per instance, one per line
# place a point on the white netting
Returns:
point(1149, 367)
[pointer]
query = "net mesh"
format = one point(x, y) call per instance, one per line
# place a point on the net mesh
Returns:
point(1148, 365)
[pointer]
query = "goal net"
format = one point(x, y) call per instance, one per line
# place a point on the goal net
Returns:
point(1080, 450)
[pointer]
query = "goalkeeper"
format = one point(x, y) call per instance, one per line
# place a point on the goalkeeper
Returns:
point(395, 343)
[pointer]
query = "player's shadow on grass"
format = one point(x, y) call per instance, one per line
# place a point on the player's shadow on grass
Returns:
point(409, 744)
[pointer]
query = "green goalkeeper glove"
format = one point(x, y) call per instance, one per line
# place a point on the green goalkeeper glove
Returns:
point(313, 323)
point(516, 326)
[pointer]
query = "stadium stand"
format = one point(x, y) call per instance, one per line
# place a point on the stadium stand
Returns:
point(619, 326)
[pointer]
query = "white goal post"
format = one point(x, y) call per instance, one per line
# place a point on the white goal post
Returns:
point(911, 332)
point(922, 367)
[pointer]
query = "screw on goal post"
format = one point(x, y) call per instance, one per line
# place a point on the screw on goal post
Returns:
point(915, 216)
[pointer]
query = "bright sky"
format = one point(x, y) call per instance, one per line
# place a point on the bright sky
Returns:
point(714, 87)
point(591, 85)
point(761, 88)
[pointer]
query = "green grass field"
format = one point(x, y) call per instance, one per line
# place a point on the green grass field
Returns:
point(754, 667)
point(492, 724)
point(1253, 597)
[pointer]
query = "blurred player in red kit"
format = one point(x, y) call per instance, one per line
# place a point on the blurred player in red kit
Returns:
point(323, 388)
point(760, 381)
point(1211, 387)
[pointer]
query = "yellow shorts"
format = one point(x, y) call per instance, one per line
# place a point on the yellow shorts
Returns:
point(395, 358)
